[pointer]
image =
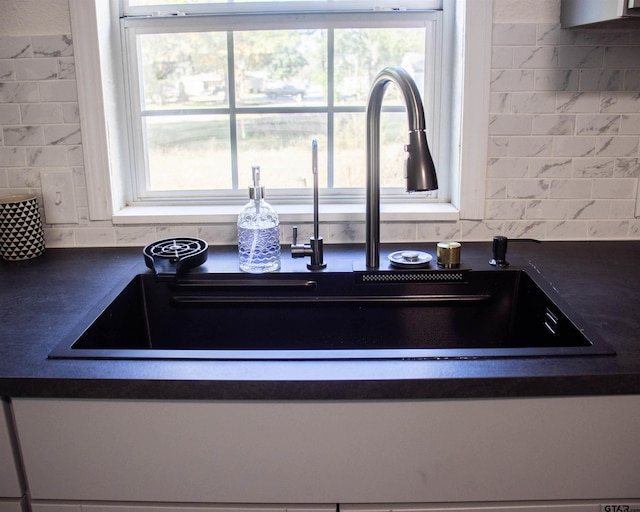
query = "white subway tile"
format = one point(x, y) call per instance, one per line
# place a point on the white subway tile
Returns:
point(163, 232)
point(58, 237)
point(507, 168)
point(398, 231)
point(41, 113)
point(473, 230)
point(7, 70)
point(631, 80)
point(597, 124)
point(510, 124)
point(620, 102)
point(15, 47)
point(593, 167)
point(502, 57)
point(340, 233)
point(495, 189)
point(62, 134)
point(621, 57)
point(70, 113)
point(500, 103)
point(133, 236)
point(10, 114)
point(553, 34)
point(23, 136)
point(578, 102)
point(535, 57)
point(614, 188)
point(570, 189)
point(608, 229)
point(546, 209)
point(527, 189)
point(617, 146)
point(574, 146)
point(4, 180)
point(36, 69)
point(553, 124)
point(19, 92)
point(622, 209)
point(13, 157)
point(534, 102)
point(52, 46)
point(601, 80)
point(525, 229)
point(607, 37)
point(498, 146)
point(580, 57)
point(556, 79)
point(504, 209)
point(47, 156)
point(567, 230)
point(630, 124)
point(627, 168)
point(75, 156)
point(588, 209)
point(505, 34)
point(58, 90)
point(512, 80)
point(438, 231)
point(549, 167)
point(66, 68)
point(220, 234)
point(634, 228)
point(95, 237)
point(23, 177)
point(530, 146)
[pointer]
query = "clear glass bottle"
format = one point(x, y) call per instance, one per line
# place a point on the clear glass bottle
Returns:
point(258, 232)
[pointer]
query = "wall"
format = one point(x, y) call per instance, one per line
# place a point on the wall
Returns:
point(564, 157)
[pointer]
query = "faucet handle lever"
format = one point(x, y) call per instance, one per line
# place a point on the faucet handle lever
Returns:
point(294, 236)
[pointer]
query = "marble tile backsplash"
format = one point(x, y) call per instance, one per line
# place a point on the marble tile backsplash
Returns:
point(564, 142)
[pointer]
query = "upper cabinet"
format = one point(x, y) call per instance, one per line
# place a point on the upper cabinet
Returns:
point(600, 13)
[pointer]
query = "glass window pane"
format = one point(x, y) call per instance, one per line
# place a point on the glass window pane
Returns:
point(281, 67)
point(350, 150)
point(360, 54)
point(188, 152)
point(184, 70)
point(281, 145)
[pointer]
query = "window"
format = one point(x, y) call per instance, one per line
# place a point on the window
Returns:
point(211, 94)
point(122, 153)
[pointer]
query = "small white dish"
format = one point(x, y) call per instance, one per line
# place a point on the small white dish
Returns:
point(410, 259)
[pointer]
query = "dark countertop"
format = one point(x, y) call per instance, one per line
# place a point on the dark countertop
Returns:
point(42, 299)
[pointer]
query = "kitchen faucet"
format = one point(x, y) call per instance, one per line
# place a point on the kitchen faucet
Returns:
point(420, 172)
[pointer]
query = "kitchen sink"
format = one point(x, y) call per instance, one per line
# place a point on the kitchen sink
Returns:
point(417, 314)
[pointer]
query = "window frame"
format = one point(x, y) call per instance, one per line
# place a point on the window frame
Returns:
point(106, 146)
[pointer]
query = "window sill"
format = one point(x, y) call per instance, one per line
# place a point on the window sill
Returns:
point(289, 214)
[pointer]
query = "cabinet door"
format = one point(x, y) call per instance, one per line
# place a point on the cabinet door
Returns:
point(12, 506)
point(567, 506)
point(331, 452)
point(115, 507)
point(9, 481)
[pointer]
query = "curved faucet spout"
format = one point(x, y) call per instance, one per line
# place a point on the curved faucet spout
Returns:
point(420, 171)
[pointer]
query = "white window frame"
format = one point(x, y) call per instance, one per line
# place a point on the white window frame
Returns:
point(106, 142)
point(430, 22)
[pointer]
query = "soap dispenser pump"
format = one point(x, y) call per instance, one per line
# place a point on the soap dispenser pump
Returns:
point(258, 232)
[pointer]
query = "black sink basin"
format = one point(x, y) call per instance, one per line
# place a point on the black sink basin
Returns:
point(429, 314)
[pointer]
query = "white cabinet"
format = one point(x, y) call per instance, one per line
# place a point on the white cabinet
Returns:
point(9, 482)
point(578, 506)
point(328, 452)
point(114, 507)
point(10, 486)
